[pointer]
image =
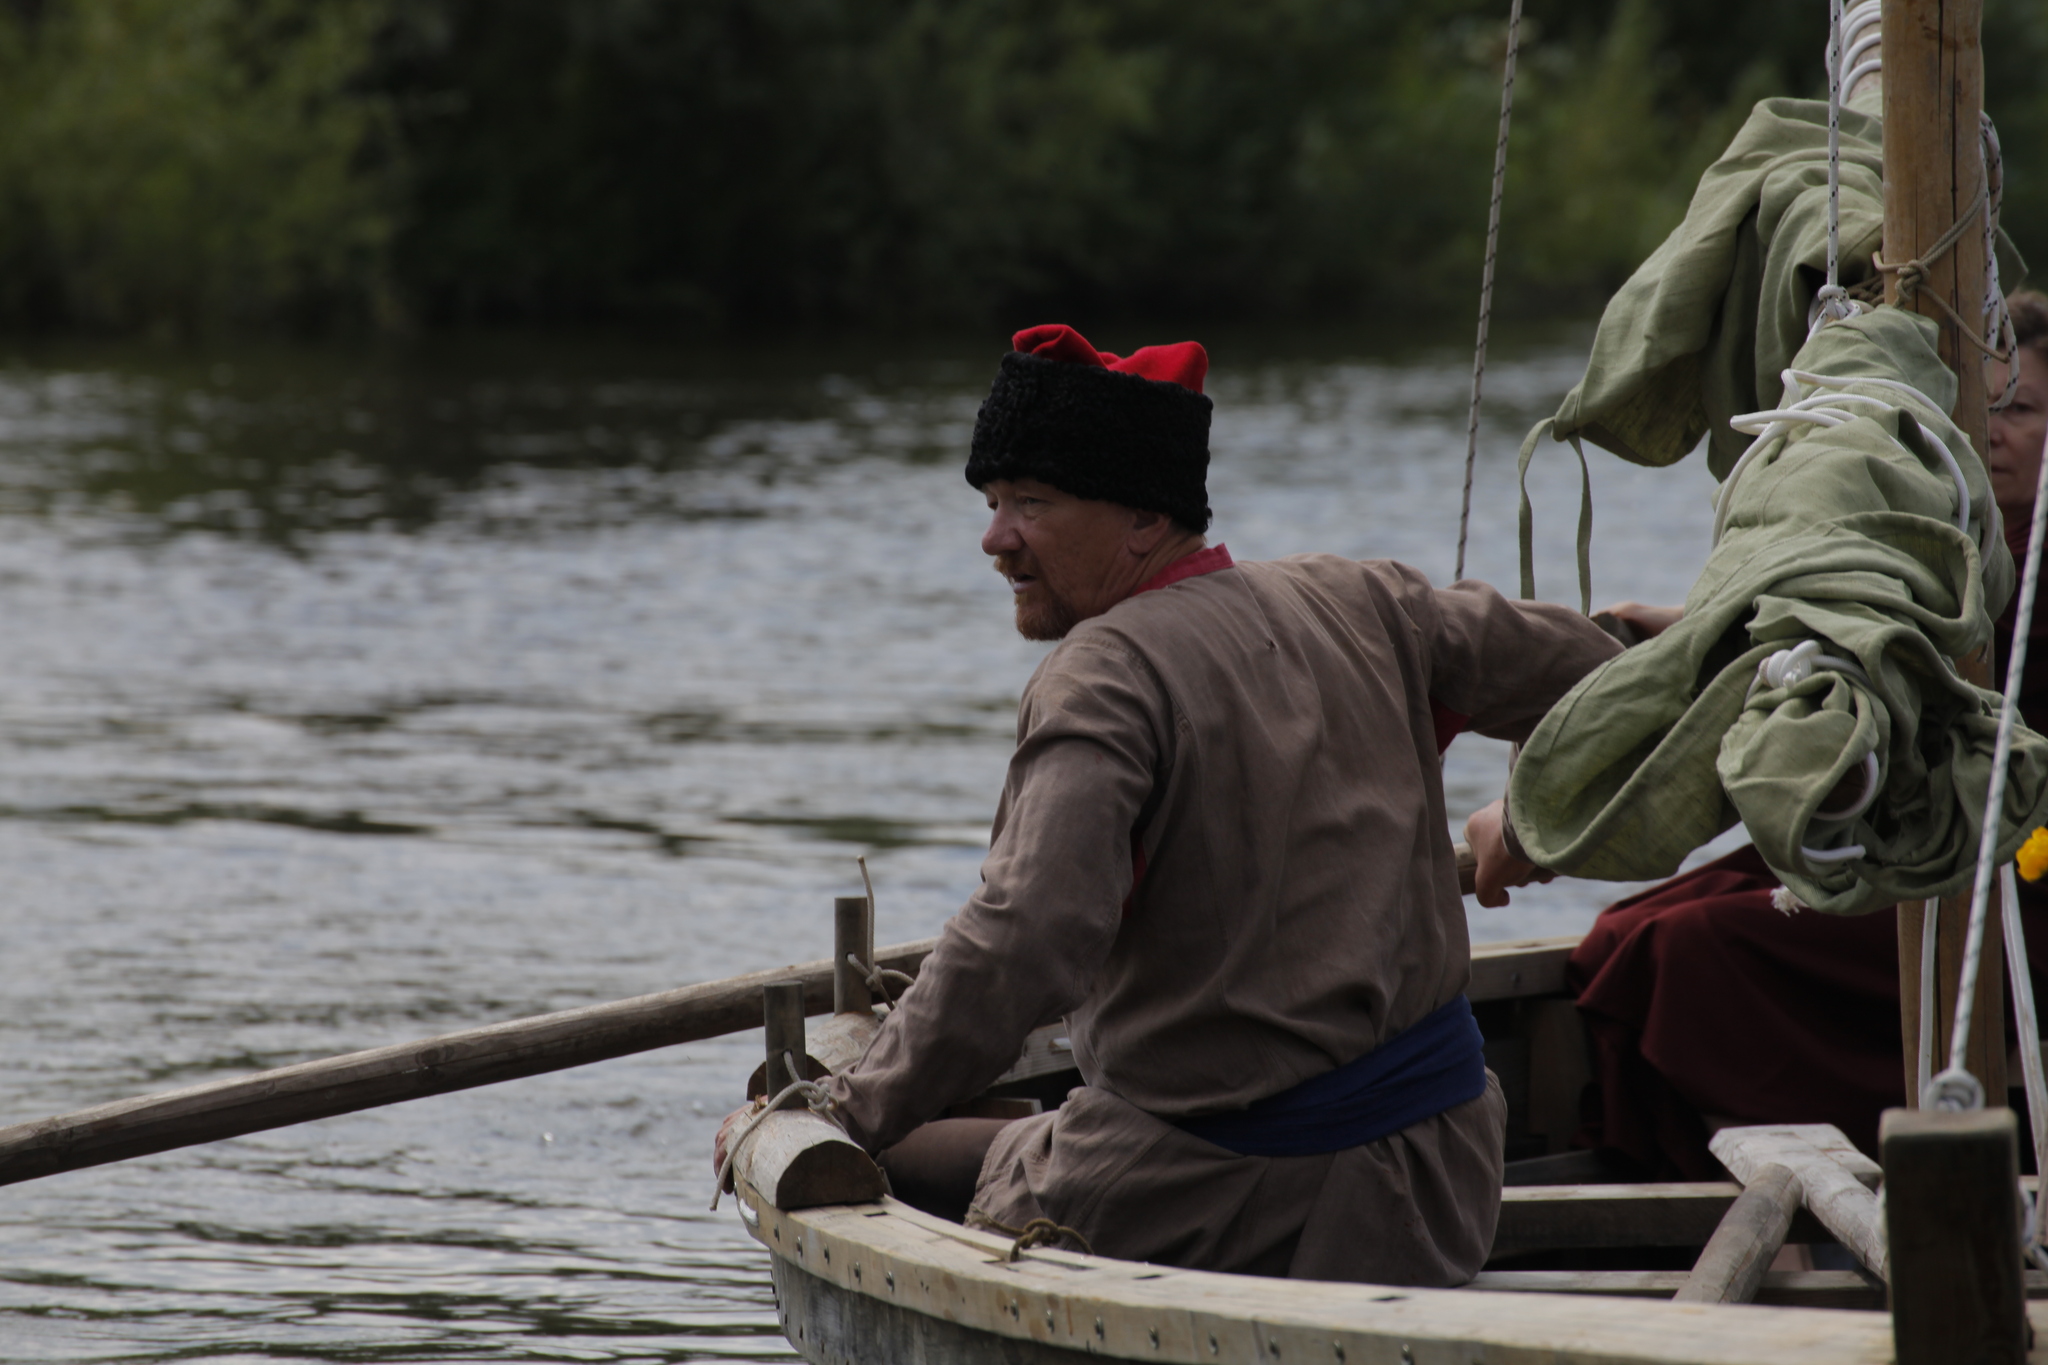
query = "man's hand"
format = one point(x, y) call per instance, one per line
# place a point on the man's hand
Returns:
point(1498, 869)
point(1648, 621)
point(718, 1144)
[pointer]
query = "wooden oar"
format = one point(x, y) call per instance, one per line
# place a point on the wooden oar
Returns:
point(431, 1066)
point(407, 1071)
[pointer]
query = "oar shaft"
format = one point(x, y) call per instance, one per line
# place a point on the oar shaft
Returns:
point(406, 1071)
point(430, 1066)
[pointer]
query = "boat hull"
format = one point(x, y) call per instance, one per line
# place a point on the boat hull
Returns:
point(830, 1326)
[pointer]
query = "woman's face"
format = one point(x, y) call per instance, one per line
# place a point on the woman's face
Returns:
point(2018, 430)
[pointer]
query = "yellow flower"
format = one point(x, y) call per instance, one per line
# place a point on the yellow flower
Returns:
point(2033, 857)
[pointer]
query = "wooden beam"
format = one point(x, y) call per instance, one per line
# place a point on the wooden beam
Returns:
point(1580, 1217)
point(1950, 1182)
point(1732, 1266)
point(796, 1160)
point(1933, 173)
point(1823, 1139)
point(1833, 1189)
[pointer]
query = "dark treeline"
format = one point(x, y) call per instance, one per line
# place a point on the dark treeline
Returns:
point(175, 165)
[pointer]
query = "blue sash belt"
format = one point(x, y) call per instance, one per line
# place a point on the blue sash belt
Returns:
point(1436, 1065)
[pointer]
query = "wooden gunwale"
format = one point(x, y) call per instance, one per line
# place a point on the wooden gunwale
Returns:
point(835, 1265)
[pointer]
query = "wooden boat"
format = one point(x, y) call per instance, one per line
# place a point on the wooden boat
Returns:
point(1582, 1270)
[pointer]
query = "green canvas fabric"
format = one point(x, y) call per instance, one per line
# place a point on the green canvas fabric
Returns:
point(1843, 535)
point(1703, 328)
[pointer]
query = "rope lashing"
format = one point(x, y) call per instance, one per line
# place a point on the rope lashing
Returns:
point(1788, 668)
point(816, 1096)
point(1915, 273)
point(1039, 1232)
point(1999, 329)
point(879, 977)
point(1955, 1087)
point(1500, 175)
point(1820, 408)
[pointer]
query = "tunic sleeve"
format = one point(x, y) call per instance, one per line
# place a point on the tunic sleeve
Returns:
point(1500, 661)
point(1094, 730)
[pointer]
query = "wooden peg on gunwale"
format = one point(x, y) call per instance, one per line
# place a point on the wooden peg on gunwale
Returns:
point(1951, 1183)
point(782, 1014)
point(851, 934)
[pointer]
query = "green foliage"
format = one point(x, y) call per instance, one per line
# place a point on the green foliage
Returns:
point(749, 163)
point(170, 163)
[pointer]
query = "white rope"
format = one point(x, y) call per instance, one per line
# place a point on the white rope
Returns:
point(1819, 408)
point(1500, 175)
point(868, 948)
point(1863, 40)
point(1788, 668)
point(819, 1099)
point(2027, 1020)
point(1956, 1088)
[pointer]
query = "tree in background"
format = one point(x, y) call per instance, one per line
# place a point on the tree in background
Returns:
point(734, 164)
point(173, 163)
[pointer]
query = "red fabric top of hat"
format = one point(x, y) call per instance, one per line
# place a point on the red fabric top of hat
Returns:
point(1184, 362)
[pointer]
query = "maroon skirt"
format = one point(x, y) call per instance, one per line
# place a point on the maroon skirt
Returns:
point(1704, 1000)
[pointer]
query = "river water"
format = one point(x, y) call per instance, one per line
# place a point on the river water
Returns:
point(352, 698)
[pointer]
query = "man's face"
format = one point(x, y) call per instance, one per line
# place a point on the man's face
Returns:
point(2017, 431)
point(1064, 557)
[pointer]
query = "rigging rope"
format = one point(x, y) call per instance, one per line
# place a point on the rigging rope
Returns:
point(1500, 175)
point(1832, 302)
point(1955, 1087)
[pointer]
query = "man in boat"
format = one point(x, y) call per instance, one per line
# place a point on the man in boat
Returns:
point(1709, 1006)
point(1221, 855)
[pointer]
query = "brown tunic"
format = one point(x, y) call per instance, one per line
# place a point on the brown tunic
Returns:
point(1260, 741)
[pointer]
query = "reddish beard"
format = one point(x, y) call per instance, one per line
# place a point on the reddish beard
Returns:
point(1042, 614)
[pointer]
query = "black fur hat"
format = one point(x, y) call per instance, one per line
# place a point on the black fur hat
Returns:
point(1097, 433)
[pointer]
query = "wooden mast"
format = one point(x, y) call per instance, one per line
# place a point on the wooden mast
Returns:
point(1933, 173)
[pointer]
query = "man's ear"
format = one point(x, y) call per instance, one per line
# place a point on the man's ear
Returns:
point(1148, 528)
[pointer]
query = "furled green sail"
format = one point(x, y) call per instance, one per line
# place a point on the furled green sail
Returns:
point(1856, 554)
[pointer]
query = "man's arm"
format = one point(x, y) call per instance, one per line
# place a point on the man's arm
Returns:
point(1503, 662)
point(1026, 947)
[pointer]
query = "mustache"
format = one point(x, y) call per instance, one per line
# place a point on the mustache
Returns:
point(1014, 566)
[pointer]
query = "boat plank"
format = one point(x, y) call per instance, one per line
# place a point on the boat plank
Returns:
point(1515, 968)
point(1114, 1309)
point(1798, 1288)
point(1577, 1217)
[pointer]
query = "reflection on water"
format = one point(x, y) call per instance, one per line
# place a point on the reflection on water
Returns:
point(351, 699)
